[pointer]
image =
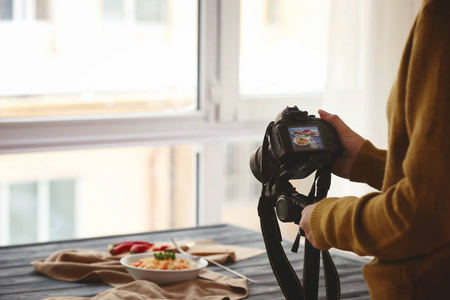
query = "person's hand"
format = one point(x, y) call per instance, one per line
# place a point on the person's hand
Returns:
point(305, 224)
point(351, 141)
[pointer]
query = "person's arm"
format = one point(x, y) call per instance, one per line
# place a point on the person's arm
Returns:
point(410, 217)
point(367, 165)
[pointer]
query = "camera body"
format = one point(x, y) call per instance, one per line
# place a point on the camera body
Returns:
point(299, 144)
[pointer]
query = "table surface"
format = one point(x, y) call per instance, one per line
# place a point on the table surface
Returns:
point(19, 281)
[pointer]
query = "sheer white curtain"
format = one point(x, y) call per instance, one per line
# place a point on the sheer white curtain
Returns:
point(366, 42)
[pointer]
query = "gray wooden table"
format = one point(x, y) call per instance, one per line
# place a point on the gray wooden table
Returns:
point(19, 281)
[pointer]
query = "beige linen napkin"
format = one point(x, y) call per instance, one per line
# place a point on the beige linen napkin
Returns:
point(209, 285)
point(84, 265)
point(98, 266)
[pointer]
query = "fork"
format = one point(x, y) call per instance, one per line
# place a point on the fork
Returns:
point(196, 257)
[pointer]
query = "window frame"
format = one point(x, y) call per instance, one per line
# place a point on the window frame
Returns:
point(216, 114)
point(221, 115)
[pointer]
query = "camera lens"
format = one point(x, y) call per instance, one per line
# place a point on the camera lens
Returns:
point(286, 209)
point(255, 164)
point(271, 165)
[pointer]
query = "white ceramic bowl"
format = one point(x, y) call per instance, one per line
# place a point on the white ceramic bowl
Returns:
point(161, 276)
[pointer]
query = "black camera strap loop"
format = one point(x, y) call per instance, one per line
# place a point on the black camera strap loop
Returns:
point(282, 269)
point(322, 180)
point(332, 282)
point(311, 263)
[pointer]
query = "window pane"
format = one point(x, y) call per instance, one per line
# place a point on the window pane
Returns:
point(151, 10)
point(102, 192)
point(23, 213)
point(62, 209)
point(288, 38)
point(113, 10)
point(6, 9)
point(242, 189)
point(107, 64)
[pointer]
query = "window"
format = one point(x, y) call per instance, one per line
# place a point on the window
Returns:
point(113, 10)
point(64, 67)
point(151, 11)
point(86, 193)
point(38, 211)
point(273, 12)
point(23, 213)
point(62, 201)
point(136, 10)
point(241, 189)
point(152, 108)
point(289, 39)
point(6, 10)
point(25, 10)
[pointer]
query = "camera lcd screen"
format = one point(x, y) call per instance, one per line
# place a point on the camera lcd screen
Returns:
point(305, 138)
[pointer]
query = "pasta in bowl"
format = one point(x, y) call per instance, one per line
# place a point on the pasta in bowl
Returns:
point(165, 270)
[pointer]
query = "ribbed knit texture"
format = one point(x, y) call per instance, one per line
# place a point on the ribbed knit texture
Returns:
point(369, 158)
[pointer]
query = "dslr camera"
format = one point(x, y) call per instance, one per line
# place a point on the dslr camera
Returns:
point(295, 145)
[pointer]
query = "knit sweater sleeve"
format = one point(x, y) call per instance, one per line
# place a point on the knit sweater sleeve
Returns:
point(410, 216)
point(369, 165)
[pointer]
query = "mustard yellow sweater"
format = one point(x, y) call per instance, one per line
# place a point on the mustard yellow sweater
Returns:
point(405, 226)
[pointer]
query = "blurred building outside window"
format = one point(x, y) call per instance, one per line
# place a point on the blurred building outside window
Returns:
point(38, 211)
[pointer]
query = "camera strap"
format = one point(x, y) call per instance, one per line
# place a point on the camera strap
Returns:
point(282, 269)
point(311, 263)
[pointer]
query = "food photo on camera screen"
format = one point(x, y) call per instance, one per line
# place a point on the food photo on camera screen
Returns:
point(305, 138)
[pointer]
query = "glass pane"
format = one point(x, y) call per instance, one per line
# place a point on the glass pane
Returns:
point(103, 192)
point(113, 10)
point(109, 63)
point(6, 9)
point(23, 213)
point(242, 189)
point(288, 38)
point(62, 209)
point(151, 10)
